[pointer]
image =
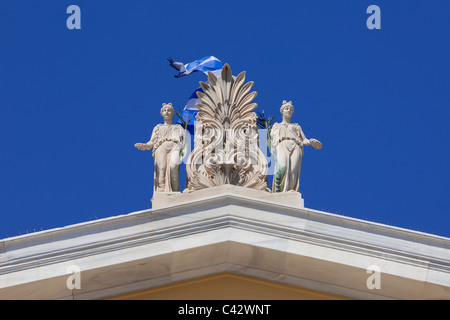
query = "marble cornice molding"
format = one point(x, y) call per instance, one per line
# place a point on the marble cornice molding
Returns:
point(220, 213)
point(251, 233)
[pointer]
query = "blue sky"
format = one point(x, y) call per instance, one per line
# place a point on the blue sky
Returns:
point(74, 102)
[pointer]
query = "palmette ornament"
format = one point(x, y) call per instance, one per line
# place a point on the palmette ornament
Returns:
point(226, 142)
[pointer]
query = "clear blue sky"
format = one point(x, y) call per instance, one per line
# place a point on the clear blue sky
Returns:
point(74, 102)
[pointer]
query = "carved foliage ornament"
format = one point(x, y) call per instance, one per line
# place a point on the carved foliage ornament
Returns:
point(226, 141)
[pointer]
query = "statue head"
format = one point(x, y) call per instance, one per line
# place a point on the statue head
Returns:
point(167, 111)
point(287, 109)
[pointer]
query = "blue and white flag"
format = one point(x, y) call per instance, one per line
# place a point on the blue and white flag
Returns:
point(205, 65)
point(190, 110)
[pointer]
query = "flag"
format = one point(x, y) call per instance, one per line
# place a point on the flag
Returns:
point(190, 110)
point(205, 65)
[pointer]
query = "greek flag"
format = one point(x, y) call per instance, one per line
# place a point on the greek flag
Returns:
point(190, 110)
point(205, 65)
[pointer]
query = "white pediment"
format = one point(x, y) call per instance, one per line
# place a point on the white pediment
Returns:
point(226, 230)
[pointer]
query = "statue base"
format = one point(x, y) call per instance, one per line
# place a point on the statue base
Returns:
point(168, 199)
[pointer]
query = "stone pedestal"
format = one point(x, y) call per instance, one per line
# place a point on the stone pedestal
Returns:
point(168, 199)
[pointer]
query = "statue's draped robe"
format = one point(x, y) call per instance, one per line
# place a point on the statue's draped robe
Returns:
point(167, 141)
point(286, 145)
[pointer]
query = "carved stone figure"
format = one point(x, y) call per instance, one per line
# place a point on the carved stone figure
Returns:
point(286, 144)
point(226, 141)
point(169, 145)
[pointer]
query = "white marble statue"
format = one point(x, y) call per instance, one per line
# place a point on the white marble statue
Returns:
point(286, 144)
point(169, 145)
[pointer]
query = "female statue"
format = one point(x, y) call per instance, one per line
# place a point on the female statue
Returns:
point(286, 144)
point(169, 145)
